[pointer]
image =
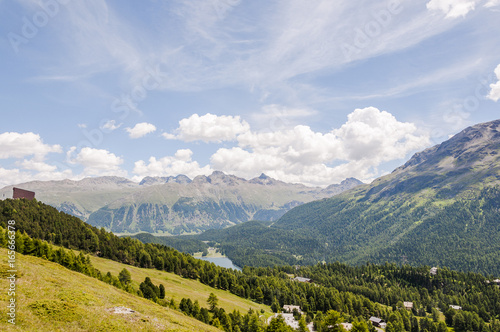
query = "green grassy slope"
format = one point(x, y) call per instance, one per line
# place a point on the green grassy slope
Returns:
point(53, 298)
point(177, 287)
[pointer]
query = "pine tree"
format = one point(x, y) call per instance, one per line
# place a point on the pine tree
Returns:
point(216, 323)
point(212, 302)
point(275, 306)
point(125, 277)
point(162, 291)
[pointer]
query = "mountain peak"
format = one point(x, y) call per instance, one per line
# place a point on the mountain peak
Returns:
point(263, 179)
point(218, 177)
point(474, 146)
point(346, 184)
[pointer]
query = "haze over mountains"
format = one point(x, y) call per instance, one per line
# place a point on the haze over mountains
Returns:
point(176, 205)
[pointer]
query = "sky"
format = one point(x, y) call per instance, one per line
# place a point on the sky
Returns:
point(308, 92)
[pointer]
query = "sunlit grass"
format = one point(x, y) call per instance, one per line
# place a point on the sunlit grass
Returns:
point(53, 298)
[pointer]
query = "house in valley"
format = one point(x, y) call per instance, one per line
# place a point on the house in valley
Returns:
point(378, 322)
point(408, 305)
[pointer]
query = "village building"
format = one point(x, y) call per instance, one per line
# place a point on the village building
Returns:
point(378, 322)
point(301, 279)
point(455, 307)
point(433, 271)
point(346, 326)
point(289, 318)
point(290, 308)
point(408, 305)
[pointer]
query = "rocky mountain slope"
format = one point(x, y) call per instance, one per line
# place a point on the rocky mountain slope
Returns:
point(176, 205)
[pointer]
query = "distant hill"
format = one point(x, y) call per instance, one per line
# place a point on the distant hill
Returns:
point(440, 208)
point(176, 205)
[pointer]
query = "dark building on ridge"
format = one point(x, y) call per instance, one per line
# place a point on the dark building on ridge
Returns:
point(21, 193)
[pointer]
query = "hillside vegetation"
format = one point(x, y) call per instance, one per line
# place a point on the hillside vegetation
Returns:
point(337, 292)
point(53, 298)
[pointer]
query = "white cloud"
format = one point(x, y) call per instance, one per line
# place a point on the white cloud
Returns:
point(12, 176)
point(495, 87)
point(32, 172)
point(453, 8)
point(110, 125)
point(97, 162)
point(180, 163)
point(368, 138)
point(300, 37)
point(378, 136)
point(140, 130)
point(209, 128)
point(17, 145)
point(38, 166)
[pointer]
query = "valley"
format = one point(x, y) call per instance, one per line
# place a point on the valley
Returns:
point(426, 234)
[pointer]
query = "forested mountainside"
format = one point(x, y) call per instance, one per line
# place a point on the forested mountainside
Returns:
point(336, 292)
point(176, 205)
point(440, 208)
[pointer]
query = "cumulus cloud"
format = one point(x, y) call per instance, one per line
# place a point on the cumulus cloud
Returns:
point(17, 145)
point(38, 166)
point(495, 87)
point(377, 136)
point(209, 128)
point(180, 163)
point(31, 172)
point(453, 8)
point(299, 154)
point(140, 130)
point(97, 162)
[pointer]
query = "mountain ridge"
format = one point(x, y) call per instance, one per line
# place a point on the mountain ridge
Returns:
point(176, 205)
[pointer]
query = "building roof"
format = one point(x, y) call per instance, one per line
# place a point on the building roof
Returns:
point(346, 326)
point(377, 320)
point(408, 305)
point(456, 307)
point(301, 279)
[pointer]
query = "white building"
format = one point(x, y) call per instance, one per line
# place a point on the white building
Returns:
point(290, 308)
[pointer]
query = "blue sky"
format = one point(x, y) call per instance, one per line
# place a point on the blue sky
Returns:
point(304, 91)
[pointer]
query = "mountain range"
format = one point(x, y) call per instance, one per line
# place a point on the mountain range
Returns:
point(176, 205)
point(439, 208)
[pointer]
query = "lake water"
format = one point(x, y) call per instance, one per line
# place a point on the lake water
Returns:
point(221, 261)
